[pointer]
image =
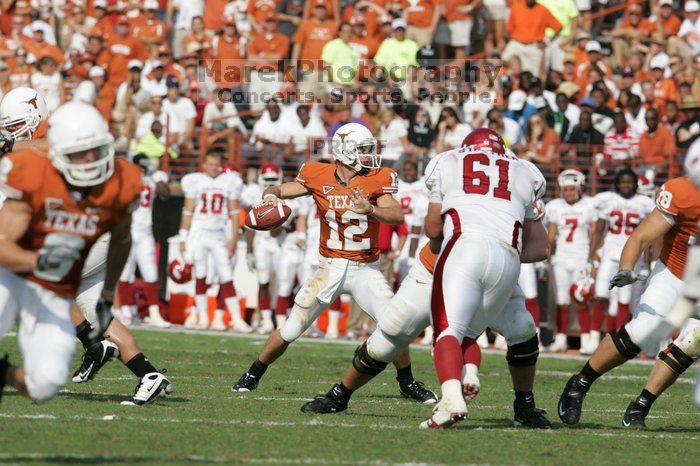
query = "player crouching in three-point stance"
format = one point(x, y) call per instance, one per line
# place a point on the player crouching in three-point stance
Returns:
point(58, 204)
point(675, 219)
point(482, 203)
point(353, 196)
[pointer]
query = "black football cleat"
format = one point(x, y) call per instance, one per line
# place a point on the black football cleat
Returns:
point(96, 356)
point(526, 414)
point(4, 367)
point(571, 400)
point(247, 383)
point(416, 391)
point(335, 401)
point(635, 416)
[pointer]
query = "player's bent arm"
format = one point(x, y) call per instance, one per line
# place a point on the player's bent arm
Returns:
point(433, 221)
point(535, 242)
point(288, 190)
point(388, 210)
point(117, 255)
point(651, 228)
point(15, 217)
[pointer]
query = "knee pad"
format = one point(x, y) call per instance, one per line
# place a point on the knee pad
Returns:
point(295, 326)
point(365, 364)
point(44, 382)
point(689, 341)
point(386, 348)
point(523, 354)
point(624, 344)
point(680, 361)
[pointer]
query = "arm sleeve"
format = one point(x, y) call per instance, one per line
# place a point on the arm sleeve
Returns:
point(389, 181)
point(668, 199)
point(307, 173)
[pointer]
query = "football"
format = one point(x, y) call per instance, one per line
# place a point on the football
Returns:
point(267, 217)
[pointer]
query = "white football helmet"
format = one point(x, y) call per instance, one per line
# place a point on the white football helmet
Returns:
point(21, 111)
point(77, 127)
point(571, 177)
point(352, 143)
point(692, 163)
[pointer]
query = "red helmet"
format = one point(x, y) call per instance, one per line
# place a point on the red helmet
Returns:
point(484, 140)
point(582, 290)
point(270, 175)
point(227, 167)
point(180, 272)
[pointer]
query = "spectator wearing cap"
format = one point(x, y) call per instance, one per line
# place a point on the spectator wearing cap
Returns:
point(594, 59)
point(221, 118)
point(39, 47)
point(120, 49)
point(629, 34)
point(666, 22)
point(309, 39)
point(526, 29)
point(621, 142)
point(341, 57)
point(131, 101)
point(664, 88)
point(541, 142)
point(397, 53)
point(459, 15)
point(155, 82)
point(105, 96)
point(155, 113)
point(258, 12)
point(365, 12)
point(152, 30)
point(181, 114)
point(229, 51)
point(421, 17)
point(198, 41)
point(20, 70)
point(508, 128)
point(38, 25)
point(688, 40)
point(519, 109)
point(186, 10)
point(657, 146)
point(364, 43)
point(451, 130)
point(48, 81)
point(266, 51)
point(214, 14)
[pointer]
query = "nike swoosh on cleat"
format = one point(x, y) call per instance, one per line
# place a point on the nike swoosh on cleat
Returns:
point(625, 423)
point(84, 375)
point(561, 413)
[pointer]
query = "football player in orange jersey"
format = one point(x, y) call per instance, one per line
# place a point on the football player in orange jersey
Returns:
point(56, 207)
point(353, 196)
point(23, 114)
point(674, 219)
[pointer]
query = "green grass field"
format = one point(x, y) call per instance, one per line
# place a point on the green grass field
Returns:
point(204, 422)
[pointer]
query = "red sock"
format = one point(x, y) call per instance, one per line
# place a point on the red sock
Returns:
point(335, 305)
point(623, 314)
point(610, 323)
point(126, 294)
point(200, 286)
point(599, 308)
point(449, 360)
point(220, 303)
point(283, 303)
point(264, 303)
point(226, 290)
point(562, 319)
point(533, 307)
point(584, 319)
point(249, 314)
point(471, 352)
point(151, 290)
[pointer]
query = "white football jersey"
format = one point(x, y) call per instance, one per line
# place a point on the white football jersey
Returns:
point(142, 218)
point(251, 195)
point(622, 215)
point(211, 196)
point(485, 193)
point(573, 223)
point(412, 197)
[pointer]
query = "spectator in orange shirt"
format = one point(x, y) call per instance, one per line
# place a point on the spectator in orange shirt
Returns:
point(198, 39)
point(105, 93)
point(594, 59)
point(214, 15)
point(20, 70)
point(39, 48)
point(364, 44)
point(664, 88)
point(368, 12)
point(422, 17)
point(265, 52)
point(312, 35)
point(103, 25)
point(526, 25)
point(151, 30)
point(460, 19)
point(229, 51)
point(667, 23)
point(121, 48)
point(629, 34)
point(657, 145)
point(258, 11)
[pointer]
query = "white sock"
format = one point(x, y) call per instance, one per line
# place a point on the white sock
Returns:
point(154, 309)
point(333, 319)
point(266, 315)
point(451, 389)
point(234, 307)
point(201, 302)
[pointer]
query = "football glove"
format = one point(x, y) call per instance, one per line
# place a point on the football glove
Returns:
point(624, 277)
point(103, 311)
point(57, 256)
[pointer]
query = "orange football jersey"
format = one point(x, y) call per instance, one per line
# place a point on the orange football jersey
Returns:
point(345, 233)
point(679, 198)
point(30, 177)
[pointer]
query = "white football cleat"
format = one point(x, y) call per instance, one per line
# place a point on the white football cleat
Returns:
point(218, 322)
point(470, 382)
point(149, 388)
point(559, 345)
point(500, 343)
point(266, 326)
point(203, 321)
point(241, 326)
point(446, 414)
point(191, 320)
point(155, 319)
point(483, 341)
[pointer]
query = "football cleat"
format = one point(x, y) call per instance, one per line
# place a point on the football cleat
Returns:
point(332, 402)
point(218, 322)
point(560, 344)
point(446, 414)
point(203, 321)
point(96, 356)
point(416, 391)
point(149, 388)
point(241, 326)
point(634, 416)
point(526, 414)
point(571, 400)
point(155, 319)
point(247, 383)
point(470, 382)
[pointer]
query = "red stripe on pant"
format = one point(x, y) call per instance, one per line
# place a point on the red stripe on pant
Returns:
point(126, 294)
point(437, 301)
